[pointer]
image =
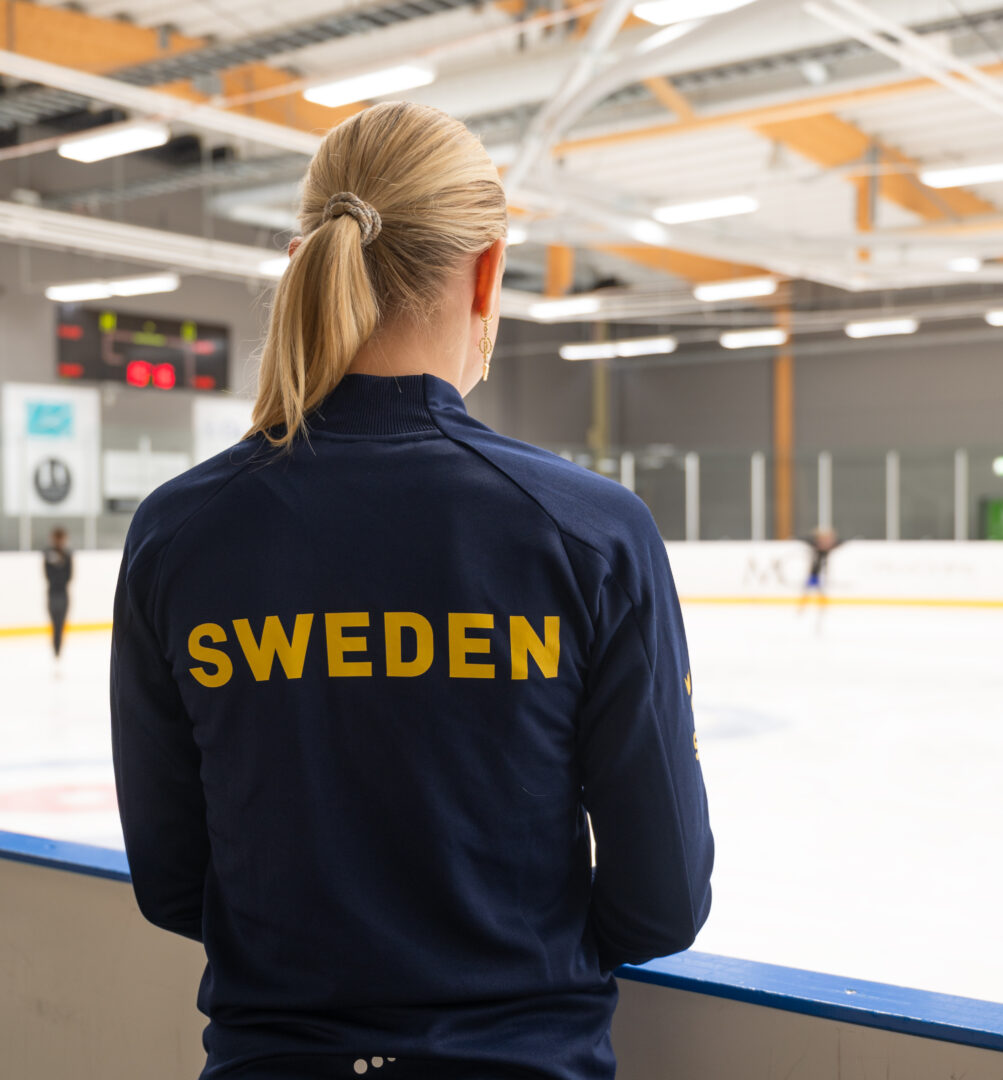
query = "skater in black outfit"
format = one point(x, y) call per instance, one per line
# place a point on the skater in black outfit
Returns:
point(58, 571)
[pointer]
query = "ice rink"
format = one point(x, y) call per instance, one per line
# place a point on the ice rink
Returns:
point(854, 769)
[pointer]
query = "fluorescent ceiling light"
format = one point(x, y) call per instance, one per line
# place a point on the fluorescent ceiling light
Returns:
point(651, 346)
point(962, 175)
point(559, 309)
point(881, 328)
point(706, 209)
point(739, 289)
point(373, 84)
point(81, 290)
point(965, 264)
point(751, 339)
point(994, 318)
point(74, 292)
point(998, 466)
point(517, 234)
point(665, 12)
point(143, 286)
point(274, 268)
point(600, 350)
point(113, 141)
point(607, 350)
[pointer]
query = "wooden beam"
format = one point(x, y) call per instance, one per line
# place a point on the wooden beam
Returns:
point(560, 271)
point(814, 105)
point(831, 141)
point(783, 434)
point(682, 264)
point(665, 91)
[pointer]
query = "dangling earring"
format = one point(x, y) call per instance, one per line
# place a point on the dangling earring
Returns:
point(485, 345)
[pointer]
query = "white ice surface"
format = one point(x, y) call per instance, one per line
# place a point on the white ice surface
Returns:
point(855, 778)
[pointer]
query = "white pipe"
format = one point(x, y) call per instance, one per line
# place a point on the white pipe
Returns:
point(692, 466)
point(825, 490)
point(893, 502)
point(757, 491)
point(960, 494)
point(543, 128)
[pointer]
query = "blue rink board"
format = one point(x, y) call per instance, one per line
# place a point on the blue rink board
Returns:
point(830, 997)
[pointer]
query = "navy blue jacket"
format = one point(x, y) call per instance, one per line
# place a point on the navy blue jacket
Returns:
point(363, 695)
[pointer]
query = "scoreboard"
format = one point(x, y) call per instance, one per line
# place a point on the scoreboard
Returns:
point(148, 353)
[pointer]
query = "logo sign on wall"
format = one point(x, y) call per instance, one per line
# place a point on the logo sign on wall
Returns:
point(218, 423)
point(51, 444)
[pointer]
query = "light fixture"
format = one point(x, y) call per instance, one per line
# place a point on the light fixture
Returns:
point(652, 346)
point(962, 175)
point(517, 234)
point(274, 268)
point(881, 328)
point(558, 309)
point(73, 292)
point(607, 350)
point(706, 209)
point(994, 318)
point(739, 289)
point(600, 350)
point(998, 466)
point(144, 285)
point(373, 84)
point(115, 140)
point(665, 12)
point(965, 264)
point(751, 339)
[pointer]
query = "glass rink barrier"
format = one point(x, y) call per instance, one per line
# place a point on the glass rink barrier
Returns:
point(90, 990)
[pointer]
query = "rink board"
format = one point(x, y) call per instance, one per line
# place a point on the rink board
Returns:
point(91, 990)
point(914, 572)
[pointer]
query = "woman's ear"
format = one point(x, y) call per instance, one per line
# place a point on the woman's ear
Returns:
point(294, 244)
point(488, 272)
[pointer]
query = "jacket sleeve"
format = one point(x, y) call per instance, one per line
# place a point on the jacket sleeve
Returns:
point(642, 780)
point(156, 770)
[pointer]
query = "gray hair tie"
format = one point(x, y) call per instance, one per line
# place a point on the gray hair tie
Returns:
point(367, 216)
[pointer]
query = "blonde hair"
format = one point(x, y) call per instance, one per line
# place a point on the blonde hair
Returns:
point(438, 198)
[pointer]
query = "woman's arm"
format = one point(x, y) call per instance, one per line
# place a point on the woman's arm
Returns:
point(156, 767)
point(643, 785)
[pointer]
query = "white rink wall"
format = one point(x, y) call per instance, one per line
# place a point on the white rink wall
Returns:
point(862, 571)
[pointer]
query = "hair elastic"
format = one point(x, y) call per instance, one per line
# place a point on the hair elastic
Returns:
point(367, 216)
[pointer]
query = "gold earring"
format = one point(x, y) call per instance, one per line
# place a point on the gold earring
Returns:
point(485, 345)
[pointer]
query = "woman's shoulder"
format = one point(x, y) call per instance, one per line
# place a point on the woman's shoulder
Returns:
point(592, 508)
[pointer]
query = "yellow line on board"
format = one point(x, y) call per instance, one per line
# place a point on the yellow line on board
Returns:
point(848, 601)
point(27, 631)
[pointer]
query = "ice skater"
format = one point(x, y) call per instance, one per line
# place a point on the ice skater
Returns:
point(822, 542)
point(58, 572)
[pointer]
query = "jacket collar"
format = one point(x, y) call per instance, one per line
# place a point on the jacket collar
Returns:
point(385, 405)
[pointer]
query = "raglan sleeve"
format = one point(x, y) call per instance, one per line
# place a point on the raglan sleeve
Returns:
point(156, 761)
point(642, 780)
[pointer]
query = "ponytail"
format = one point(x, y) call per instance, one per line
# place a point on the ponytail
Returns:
point(393, 201)
point(324, 311)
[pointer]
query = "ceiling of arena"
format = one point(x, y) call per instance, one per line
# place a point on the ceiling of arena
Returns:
point(822, 116)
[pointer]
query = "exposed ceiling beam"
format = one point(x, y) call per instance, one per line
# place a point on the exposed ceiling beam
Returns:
point(684, 264)
point(831, 141)
point(664, 91)
point(761, 115)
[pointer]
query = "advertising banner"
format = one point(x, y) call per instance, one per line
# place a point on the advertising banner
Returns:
point(51, 448)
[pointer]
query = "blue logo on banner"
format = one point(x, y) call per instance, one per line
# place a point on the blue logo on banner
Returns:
point(51, 418)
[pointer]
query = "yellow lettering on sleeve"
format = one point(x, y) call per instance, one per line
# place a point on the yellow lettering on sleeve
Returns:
point(260, 655)
point(394, 622)
point(216, 657)
point(338, 643)
point(525, 643)
point(461, 646)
